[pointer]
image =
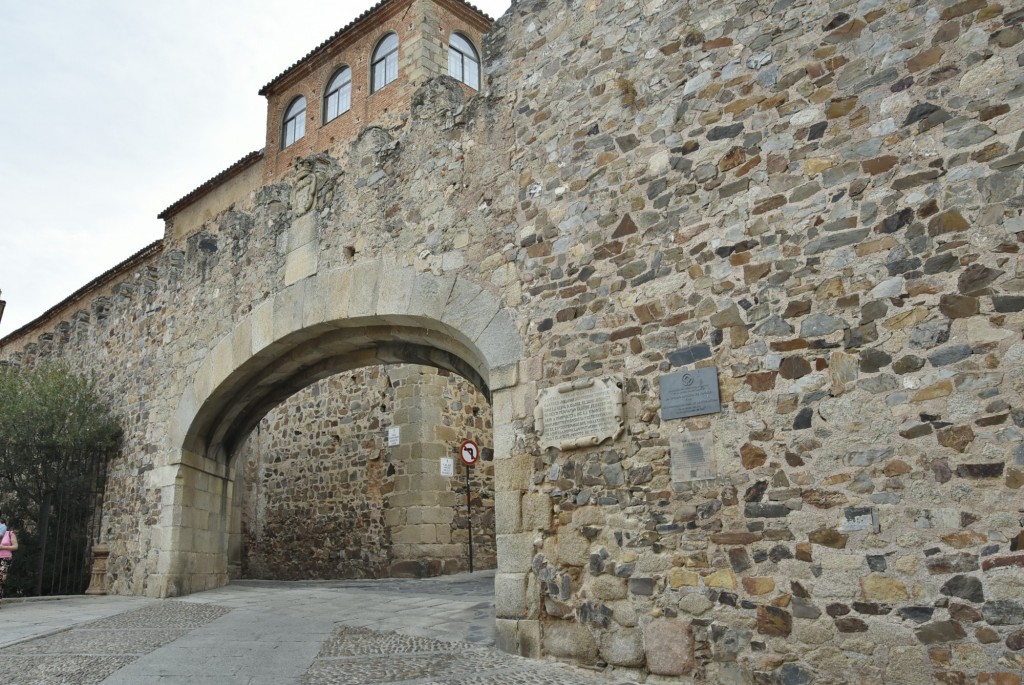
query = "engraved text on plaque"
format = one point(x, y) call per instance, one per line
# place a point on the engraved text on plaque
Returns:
point(690, 393)
point(692, 457)
point(580, 413)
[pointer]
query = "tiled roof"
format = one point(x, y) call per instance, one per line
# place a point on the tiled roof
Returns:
point(154, 248)
point(352, 24)
point(235, 168)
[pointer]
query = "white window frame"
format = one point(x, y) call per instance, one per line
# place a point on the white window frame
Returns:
point(463, 60)
point(339, 94)
point(384, 63)
point(294, 126)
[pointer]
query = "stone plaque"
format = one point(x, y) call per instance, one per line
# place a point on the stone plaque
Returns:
point(692, 457)
point(581, 413)
point(447, 466)
point(394, 436)
point(690, 393)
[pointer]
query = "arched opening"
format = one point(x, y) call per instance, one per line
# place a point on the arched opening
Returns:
point(345, 479)
point(364, 316)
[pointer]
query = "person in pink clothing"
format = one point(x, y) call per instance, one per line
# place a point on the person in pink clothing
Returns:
point(8, 545)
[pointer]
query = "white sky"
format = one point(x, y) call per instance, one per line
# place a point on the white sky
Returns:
point(114, 109)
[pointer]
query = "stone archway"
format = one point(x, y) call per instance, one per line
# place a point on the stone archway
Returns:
point(344, 479)
point(370, 313)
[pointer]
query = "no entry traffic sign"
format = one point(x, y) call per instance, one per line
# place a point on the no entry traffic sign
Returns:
point(469, 452)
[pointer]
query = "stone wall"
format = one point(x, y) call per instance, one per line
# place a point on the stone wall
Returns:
point(317, 477)
point(821, 201)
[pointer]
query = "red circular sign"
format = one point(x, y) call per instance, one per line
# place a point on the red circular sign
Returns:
point(469, 452)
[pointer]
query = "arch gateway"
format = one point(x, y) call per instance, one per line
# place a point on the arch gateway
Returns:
point(786, 236)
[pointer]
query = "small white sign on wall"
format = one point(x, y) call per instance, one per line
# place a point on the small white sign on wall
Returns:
point(393, 436)
point(447, 466)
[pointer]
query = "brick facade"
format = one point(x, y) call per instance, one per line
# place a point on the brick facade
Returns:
point(422, 27)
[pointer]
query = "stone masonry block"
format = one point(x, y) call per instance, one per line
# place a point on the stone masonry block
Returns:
point(394, 301)
point(537, 511)
point(623, 647)
point(338, 295)
point(469, 309)
point(515, 552)
point(513, 474)
point(301, 263)
point(502, 405)
point(262, 326)
point(499, 342)
point(183, 416)
point(161, 477)
point(241, 342)
point(204, 381)
point(524, 400)
point(433, 515)
point(302, 232)
point(510, 595)
point(504, 441)
point(506, 635)
point(314, 304)
point(669, 647)
point(365, 289)
point(570, 640)
point(530, 638)
point(415, 534)
point(430, 295)
point(223, 361)
point(503, 377)
point(572, 548)
point(508, 512)
point(287, 312)
point(395, 517)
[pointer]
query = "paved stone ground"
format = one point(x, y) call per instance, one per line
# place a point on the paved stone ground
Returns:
point(395, 632)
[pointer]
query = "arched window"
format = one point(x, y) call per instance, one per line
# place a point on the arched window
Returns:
point(384, 66)
point(339, 94)
point(463, 61)
point(294, 126)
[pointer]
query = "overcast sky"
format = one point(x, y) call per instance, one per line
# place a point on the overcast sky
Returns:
point(114, 109)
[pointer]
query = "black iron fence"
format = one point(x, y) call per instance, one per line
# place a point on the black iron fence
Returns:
point(55, 505)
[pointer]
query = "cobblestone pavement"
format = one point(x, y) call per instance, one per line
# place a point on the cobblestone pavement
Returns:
point(360, 656)
point(420, 632)
point(91, 652)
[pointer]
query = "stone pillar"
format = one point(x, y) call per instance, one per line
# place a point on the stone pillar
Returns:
point(422, 507)
point(98, 582)
point(237, 488)
point(422, 45)
point(519, 518)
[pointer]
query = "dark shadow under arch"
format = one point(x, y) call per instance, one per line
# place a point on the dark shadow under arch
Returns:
point(309, 356)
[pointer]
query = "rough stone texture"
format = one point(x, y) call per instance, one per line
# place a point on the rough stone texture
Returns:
point(490, 236)
point(669, 647)
point(570, 640)
point(309, 458)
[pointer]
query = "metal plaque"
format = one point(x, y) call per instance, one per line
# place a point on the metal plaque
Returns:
point(690, 393)
point(447, 466)
point(692, 457)
point(394, 436)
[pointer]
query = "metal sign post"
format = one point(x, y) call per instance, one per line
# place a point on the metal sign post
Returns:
point(469, 452)
point(469, 520)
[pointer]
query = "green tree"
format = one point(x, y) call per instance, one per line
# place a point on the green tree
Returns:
point(55, 430)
